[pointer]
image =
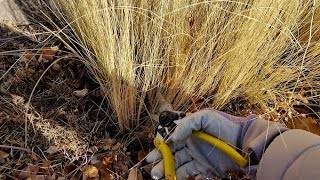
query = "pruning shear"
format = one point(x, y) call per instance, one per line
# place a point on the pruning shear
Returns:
point(168, 121)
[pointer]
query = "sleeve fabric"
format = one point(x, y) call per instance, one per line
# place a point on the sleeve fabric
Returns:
point(279, 153)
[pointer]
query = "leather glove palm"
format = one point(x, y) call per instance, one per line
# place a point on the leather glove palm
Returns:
point(196, 157)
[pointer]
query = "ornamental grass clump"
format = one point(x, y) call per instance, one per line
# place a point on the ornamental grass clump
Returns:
point(196, 53)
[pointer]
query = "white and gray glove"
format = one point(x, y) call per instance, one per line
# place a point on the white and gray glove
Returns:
point(194, 157)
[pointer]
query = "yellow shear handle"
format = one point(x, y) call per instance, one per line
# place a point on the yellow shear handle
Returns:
point(222, 146)
point(168, 161)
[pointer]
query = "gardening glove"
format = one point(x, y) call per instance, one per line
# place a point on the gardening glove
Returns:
point(194, 157)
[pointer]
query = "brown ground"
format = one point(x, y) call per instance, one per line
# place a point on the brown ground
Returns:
point(66, 96)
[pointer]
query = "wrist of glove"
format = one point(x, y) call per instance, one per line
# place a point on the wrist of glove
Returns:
point(195, 157)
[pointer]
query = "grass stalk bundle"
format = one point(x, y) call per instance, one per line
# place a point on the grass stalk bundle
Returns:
point(197, 53)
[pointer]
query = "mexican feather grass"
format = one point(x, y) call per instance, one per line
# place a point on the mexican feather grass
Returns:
point(196, 53)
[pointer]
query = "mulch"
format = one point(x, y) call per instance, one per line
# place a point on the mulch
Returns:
point(66, 95)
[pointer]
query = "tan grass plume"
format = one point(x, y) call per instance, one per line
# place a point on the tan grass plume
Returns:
point(197, 53)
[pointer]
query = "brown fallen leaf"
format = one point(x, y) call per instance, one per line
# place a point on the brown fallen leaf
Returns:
point(135, 174)
point(38, 177)
point(29, 172)
point(68, 169)
point(49, 52)
point(61, 178)
point(107, 160)
point(191, 178)
point(141, 155)
point(106, 175)
point(90, 172)
point(34, 156)
point(80, 93)
point(147, 168)
point(52, 150)
point(27, 56)
point(116, 146)
point(121, 167)
point(308, 124)
point(105, 167)
point(93, 149)
point(46, 163)
point(3, 155)
point(147, 130)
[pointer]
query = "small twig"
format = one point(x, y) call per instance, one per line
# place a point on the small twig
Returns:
point(14, 147)
point(138, 163)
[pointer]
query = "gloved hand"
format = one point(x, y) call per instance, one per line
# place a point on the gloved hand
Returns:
point(195, 157)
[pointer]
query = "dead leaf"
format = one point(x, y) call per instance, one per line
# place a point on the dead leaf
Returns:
point(105, 167)
point(61, 178)
point(308, 124)
point(191, 178)
point(3, 154)
point(107, 160)
point(46, 163)
point(90, 172)
point(135, 174)
point(52, 150)
point(53, 176)
point(93, 149)
point(141, 155)
point(80, 93)
point(123, 166)
point(49, 52)
point(68, 169)
point(27, 56)
point(106, 174)
point(116, 146)
point(147, 130)
point(147, 168)
point(34, 156)
point(29, 172)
